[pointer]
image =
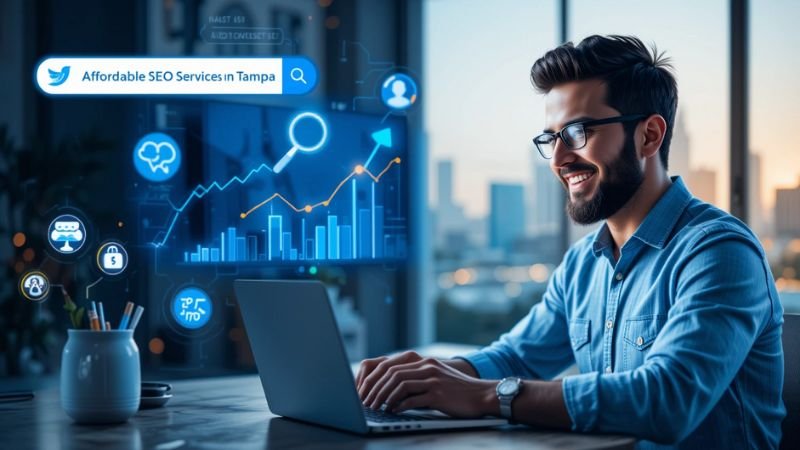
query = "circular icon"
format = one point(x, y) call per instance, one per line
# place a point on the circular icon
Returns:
point(112, 258)
point(297, 74)
point(399, 92)
point(66, 234)
point(191, 308)
point(34, 286)
point(157, 157)
point(296, 145)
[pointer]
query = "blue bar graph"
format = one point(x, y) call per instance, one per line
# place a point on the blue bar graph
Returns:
point(377, 233)
point(286, 244)
point(275, 226)
point(333, 238)
point(346, 241)
point(364, 238)
point(365, 226)
point(319, 252)
point(231, 244)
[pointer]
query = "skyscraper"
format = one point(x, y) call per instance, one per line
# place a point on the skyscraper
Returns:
point(756, 213)
point(787, 212)
point(507, 214)
point(449, 215)
point(546, 205)
point(703, 184)
point(444, 183)
point(679, 149)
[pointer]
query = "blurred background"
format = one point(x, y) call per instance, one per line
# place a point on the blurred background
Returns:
point(486, 224)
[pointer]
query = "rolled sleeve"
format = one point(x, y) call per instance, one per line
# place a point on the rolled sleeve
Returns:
point(536, 347)
point(483, 364)
point(581, 398)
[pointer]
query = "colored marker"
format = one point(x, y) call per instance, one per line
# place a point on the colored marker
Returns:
point(136, 316)
point(101, 316)
point(94, 324)
point(126, 316)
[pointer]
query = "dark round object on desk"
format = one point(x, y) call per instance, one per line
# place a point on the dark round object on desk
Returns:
point(155, 389)
point(154, 394)
point(154, 402)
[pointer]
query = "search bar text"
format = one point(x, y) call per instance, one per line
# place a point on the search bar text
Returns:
point(176, 76)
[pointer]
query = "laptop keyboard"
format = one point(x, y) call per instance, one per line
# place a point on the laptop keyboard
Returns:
point(373, 415)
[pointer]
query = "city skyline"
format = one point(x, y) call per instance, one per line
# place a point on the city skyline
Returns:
point(498, 111)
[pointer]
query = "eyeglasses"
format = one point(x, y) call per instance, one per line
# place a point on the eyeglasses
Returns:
point(574, 134)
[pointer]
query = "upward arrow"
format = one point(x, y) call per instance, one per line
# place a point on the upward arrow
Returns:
point(382, 138)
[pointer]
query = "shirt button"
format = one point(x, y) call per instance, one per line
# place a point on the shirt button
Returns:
point(608, 369)
point(618, 277)
point(639, 340)
point(610, 324)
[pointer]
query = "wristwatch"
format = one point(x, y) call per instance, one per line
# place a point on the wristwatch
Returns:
point(507, 389)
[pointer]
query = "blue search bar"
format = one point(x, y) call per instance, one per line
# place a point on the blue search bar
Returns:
point(293, 75)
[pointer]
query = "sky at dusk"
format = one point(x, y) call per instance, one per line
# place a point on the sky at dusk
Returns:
point(481, 110)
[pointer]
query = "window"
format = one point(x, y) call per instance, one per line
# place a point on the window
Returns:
point(481, 112)
point(694, 35)
point(774, 161)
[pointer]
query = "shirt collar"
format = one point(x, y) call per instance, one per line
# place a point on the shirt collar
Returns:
point(658, 223)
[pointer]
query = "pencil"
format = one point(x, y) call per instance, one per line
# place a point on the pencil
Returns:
point(101, 316)
point(108, 325)
point(94, 324)
point(126, 316)
point(136, 316)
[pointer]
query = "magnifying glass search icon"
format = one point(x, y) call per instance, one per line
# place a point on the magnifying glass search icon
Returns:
point(293, 139)
point(297, 75)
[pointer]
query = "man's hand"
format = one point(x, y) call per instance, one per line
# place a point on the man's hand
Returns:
point(408, 381)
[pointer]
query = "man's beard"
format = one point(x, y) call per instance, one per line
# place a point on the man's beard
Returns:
point(624, 178)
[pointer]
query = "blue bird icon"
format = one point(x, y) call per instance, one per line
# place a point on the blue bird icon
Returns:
point(58, 78)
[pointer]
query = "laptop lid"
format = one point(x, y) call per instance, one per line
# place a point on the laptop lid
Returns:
point(299, 353)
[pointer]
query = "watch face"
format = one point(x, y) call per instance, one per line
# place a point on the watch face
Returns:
point(507, 387)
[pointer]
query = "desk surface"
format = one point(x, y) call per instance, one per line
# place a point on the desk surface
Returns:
point(231, 412)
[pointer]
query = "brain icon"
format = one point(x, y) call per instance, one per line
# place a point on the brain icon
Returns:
point(157, 155)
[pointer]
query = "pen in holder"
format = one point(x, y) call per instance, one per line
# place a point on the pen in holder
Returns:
point(100, 376)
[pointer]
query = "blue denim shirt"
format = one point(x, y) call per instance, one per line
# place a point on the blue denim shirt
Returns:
point(678, 342)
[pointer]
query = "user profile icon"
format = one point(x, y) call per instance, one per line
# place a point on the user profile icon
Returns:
point(66, 234)
point(34, 286)
point(399, 92)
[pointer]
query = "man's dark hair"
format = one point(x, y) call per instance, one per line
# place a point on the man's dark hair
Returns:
point(638, 80)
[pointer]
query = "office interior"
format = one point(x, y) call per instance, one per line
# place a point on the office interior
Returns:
point(480, 223)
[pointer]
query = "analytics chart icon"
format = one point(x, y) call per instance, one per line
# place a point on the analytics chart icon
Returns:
point(157, 157)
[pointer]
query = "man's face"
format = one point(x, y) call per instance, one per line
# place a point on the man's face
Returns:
point(602, 176)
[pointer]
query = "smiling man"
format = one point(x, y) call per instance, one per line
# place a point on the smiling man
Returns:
point(669, 310)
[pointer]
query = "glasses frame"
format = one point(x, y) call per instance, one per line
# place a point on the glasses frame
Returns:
point(584, 125)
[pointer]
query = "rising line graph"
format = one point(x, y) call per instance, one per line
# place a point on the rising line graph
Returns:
point(201, 191)
point(382, 138)
point(359, 170)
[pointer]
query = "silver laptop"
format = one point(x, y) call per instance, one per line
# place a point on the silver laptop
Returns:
point(303, 366)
